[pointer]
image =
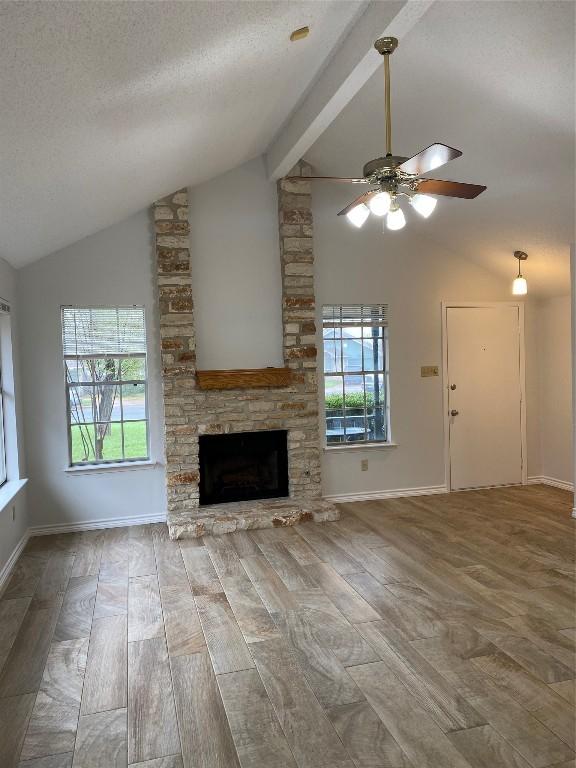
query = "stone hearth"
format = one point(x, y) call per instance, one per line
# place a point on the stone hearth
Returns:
point(190, 411)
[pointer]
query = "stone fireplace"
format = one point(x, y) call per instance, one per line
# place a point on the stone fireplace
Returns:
point(198, 405)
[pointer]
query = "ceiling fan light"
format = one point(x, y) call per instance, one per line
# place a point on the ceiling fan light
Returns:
point(519, 286)
point(380, 203)
point(395, 218)
point(423, 204)
point(358, 215)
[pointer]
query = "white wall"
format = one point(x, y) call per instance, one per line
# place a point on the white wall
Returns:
point(236, 284)
point(533, 386)
point(573, 349)
point(555, 367)
point(237, 294)
point(236, 270)
point(112, 267)
point(414, 276)
point(14, 515)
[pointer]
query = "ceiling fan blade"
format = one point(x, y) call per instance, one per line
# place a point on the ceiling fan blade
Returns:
point(326, 178)
point(362, 199)
point(432, 157)
point(450, 188)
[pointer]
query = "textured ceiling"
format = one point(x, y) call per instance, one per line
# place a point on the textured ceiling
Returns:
point(496, 80)
point(106, 106)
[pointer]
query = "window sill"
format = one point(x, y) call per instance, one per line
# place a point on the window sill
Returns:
point(99, 468)
point(359, 447)
point(9, 491)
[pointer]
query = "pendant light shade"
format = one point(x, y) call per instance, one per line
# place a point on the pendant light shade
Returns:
point(358, 215)
point(424, 204)
point(380, 203)
point(519, 285)
point(395, 218)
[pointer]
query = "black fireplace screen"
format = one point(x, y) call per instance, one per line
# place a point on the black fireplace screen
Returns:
point(243, 466)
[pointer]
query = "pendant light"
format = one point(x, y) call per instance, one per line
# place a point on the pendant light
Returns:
point(520, 286)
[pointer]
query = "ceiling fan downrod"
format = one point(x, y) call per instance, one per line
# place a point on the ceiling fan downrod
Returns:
point(386, 46)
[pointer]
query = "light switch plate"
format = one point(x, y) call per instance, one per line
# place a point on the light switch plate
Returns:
point(429, 370)
point(364, 465)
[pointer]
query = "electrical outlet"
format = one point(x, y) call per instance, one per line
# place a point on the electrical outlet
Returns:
point(364, 465)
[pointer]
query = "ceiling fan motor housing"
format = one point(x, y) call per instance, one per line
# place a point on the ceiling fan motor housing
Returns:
point(382, 167)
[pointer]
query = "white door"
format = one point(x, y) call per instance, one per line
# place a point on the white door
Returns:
point(484, 396)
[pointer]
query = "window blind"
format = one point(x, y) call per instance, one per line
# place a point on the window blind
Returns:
point(339, 315)
point(101, 332)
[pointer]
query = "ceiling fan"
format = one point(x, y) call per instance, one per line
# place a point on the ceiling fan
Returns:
point(393, 177)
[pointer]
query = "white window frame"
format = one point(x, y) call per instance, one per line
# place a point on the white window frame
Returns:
point(361, 316)
point(116, 462)
point(12, 481)
point(3, 466)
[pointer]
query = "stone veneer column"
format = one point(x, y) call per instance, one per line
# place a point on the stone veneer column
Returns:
point(190, 412)
point(178, 349)
point(298, 322)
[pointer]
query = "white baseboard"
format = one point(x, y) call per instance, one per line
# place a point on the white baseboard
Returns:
point(429, 490)
point(7, 570)
point(543, 480)
point(90, 525)
point(396, 493)
point(46, 530)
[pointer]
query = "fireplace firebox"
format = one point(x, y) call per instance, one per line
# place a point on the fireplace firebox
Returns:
point(243, 466)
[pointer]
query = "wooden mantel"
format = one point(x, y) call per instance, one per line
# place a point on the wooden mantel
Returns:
point(244, 378)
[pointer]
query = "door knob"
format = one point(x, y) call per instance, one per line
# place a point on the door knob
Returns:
point(453, 412)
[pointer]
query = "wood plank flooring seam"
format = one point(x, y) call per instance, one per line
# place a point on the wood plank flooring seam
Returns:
point(312, 697)
point(83, 683)
point(170, 665)
point(80, 714)
point(312, 692)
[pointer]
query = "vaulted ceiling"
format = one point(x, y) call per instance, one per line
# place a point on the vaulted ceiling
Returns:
point(108, 106)
point(496, 80)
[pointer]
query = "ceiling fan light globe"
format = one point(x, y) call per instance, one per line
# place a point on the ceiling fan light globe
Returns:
point(519, 286)
point(423, 204)
point(380, 203)
point(358, 215)
point(396, 219)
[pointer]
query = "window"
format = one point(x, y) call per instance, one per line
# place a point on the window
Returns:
point(5, 315)
point(356, 373)
point(105, 365)
point(2, 437)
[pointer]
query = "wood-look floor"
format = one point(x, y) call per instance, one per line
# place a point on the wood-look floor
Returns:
point(432, 632)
